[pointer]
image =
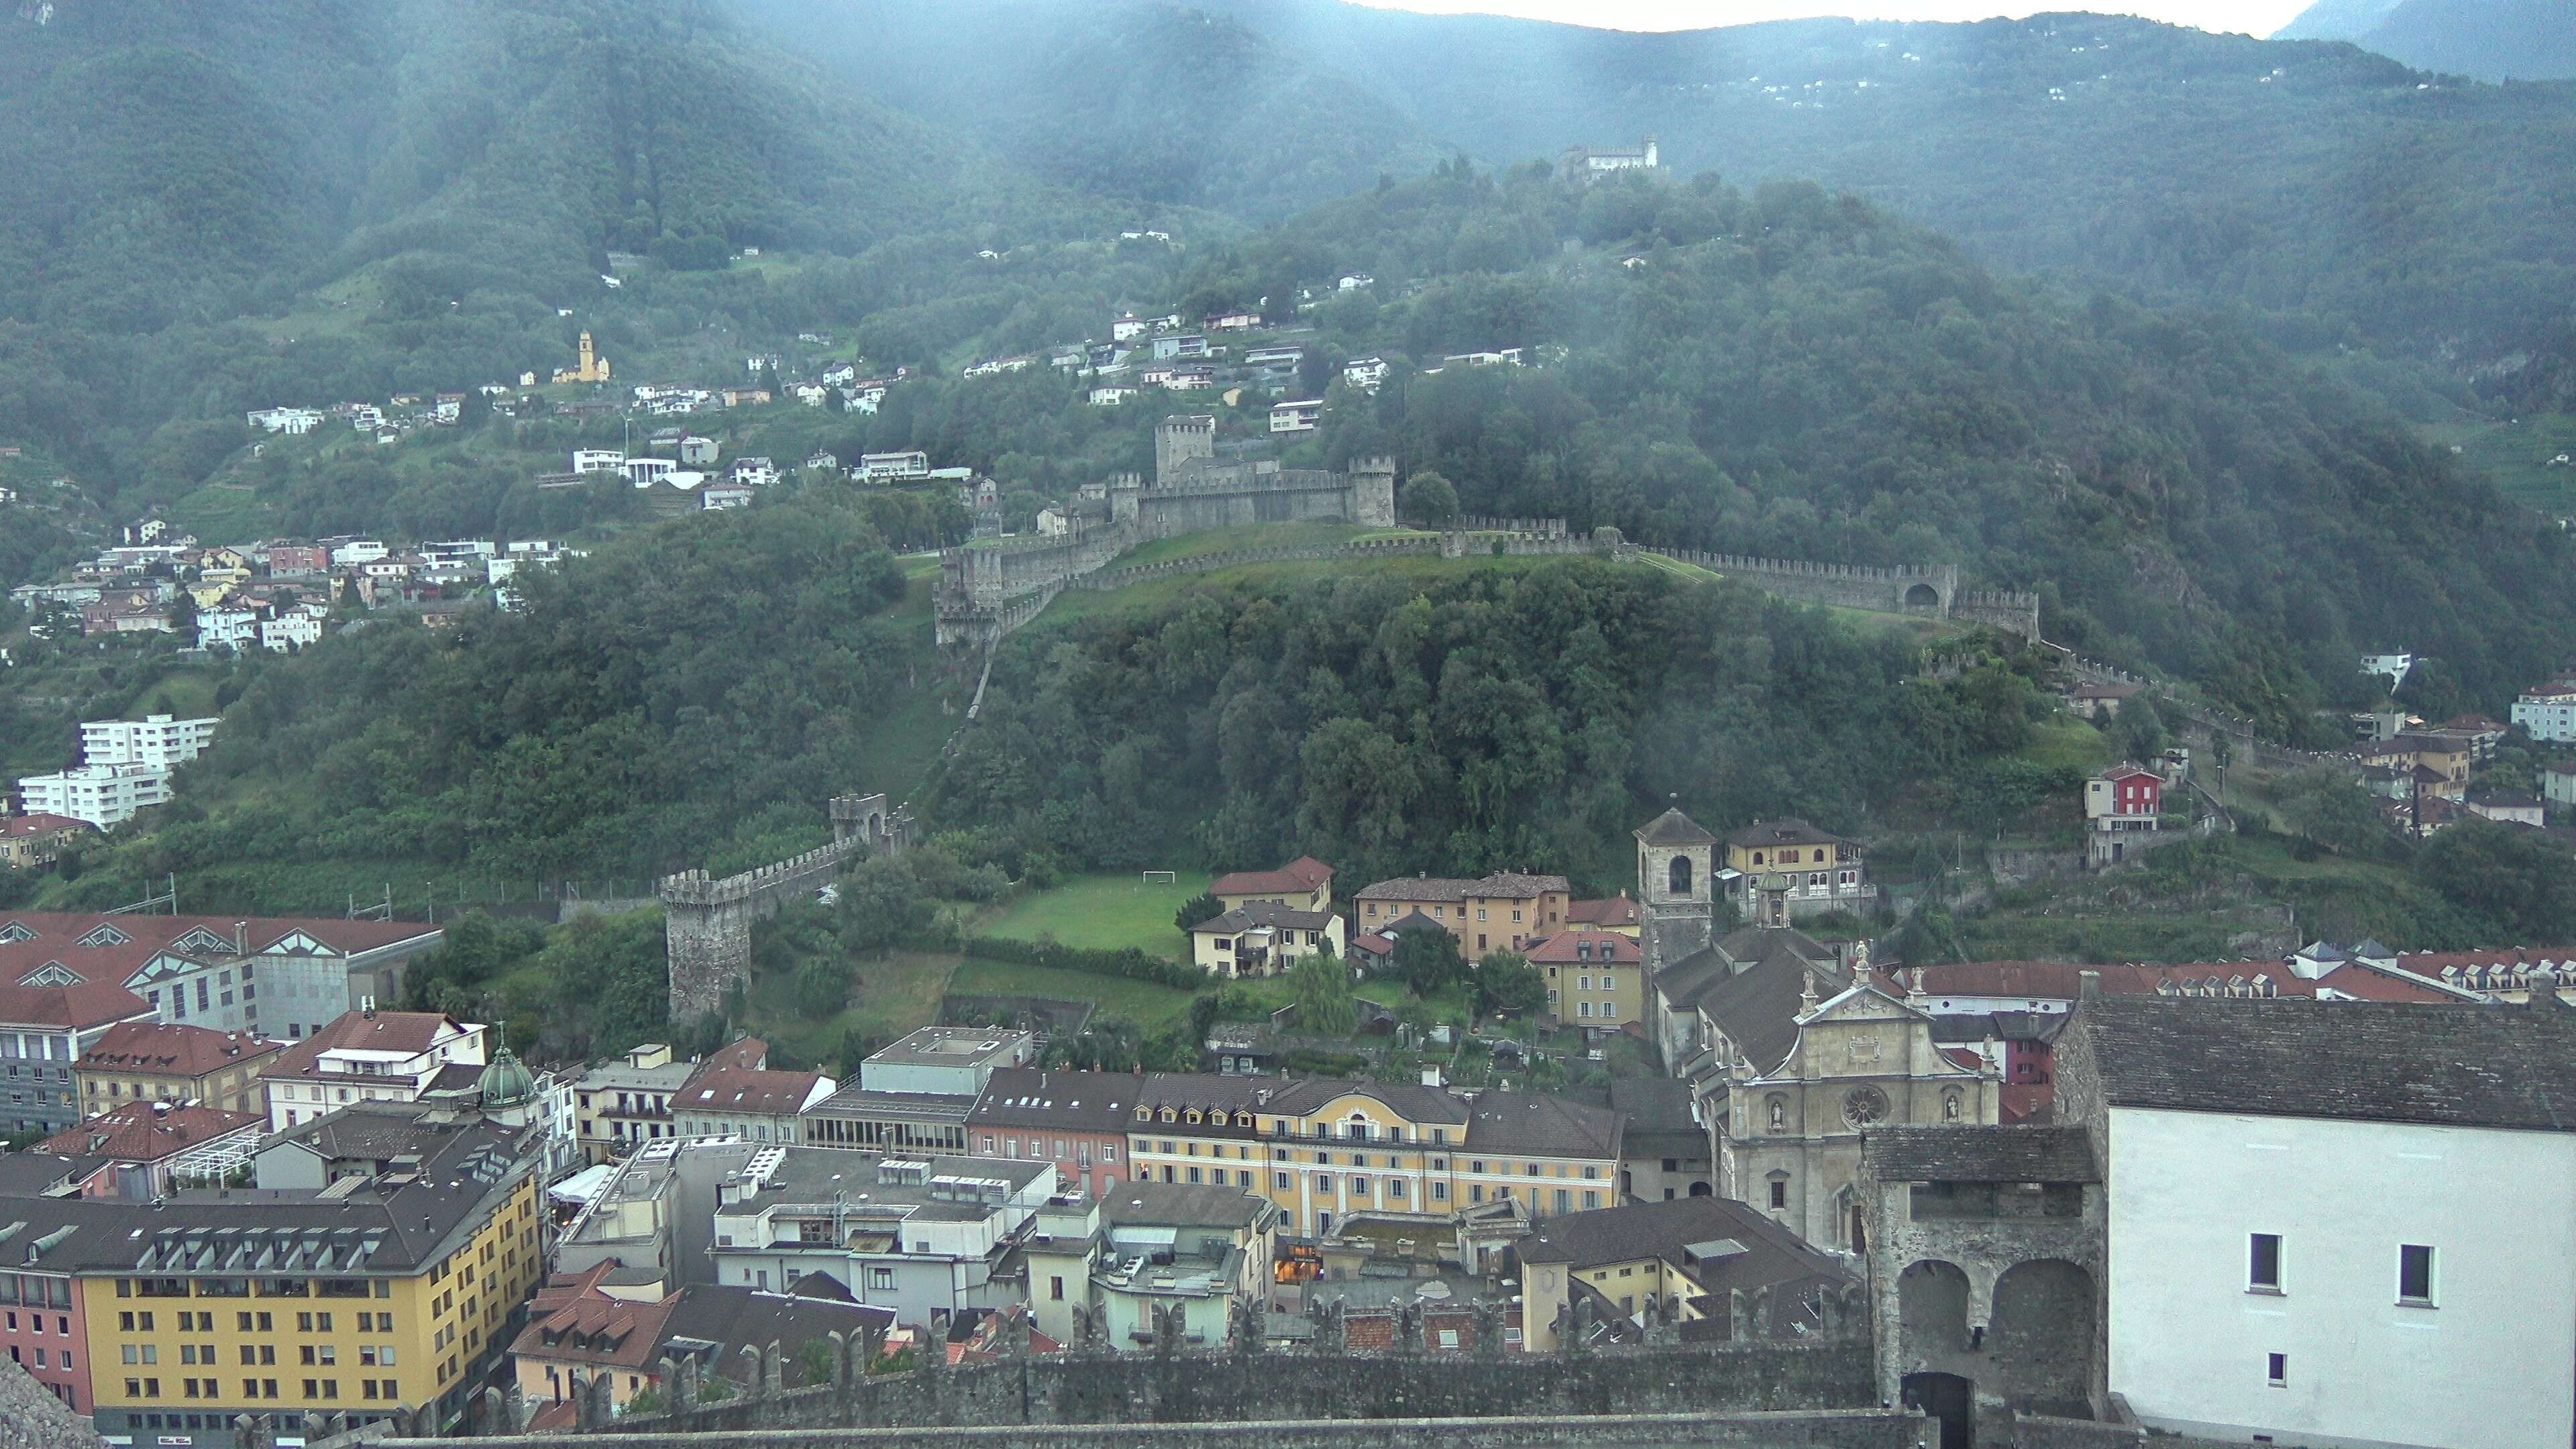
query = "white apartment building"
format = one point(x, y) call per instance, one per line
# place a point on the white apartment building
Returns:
point(369, 1056)
point(894, 465)
point(103, 795)
point(359, 551)
point(1296, 417)
point(2335, 1223)
point(156, 740)
point(598, 460)
point(293, 630)
point(2548, 711)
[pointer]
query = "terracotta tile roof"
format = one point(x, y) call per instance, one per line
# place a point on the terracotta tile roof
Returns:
point(148, 1132)
point(1616, 911)
point(41, 823)
point(736, 1089)
point(385, 1031)
point(2064, 981)
point(1587, 948)
point(94, 1003)
point(256, 934)
point(750, 1054)
point(171, 1049)
point(1298, 876)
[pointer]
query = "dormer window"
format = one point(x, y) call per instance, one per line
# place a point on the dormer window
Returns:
point(1170, 1116)
point(1193, 1114)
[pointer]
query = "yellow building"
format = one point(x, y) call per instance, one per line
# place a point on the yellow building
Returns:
point(1595, 979)
point(1629, 1266)
point(1322, 1150)
point(140, 1061)
point(1506, 911)
point(373, 1299)
point(592, 367)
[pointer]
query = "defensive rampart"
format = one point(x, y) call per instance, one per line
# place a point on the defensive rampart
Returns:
point(706, 922)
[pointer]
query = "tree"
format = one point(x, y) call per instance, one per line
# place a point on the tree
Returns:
point(1506, 982)
point(880, 904)
point(1427, 961)
point(2520, 883)
point(2331, 812)
point(2138, 733)
point(1429, 500)
point(822, 988)
point(1198, 908)
point(814, 1363)
point(1325, 1004)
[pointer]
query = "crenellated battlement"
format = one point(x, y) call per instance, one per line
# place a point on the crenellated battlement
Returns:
point(707, 920)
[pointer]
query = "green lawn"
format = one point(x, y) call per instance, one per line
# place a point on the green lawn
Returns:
point(2516, 456)
point(1099, 912)
point(895, 994)
point(228, 513)
point(2066, 743)
point(1148, 1005)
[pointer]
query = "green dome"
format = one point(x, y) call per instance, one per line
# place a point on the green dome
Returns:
point(506, 1083)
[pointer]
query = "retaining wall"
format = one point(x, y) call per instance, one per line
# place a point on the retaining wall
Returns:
point(1828, 1429)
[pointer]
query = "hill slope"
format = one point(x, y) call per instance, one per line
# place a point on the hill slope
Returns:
point(2490, 39)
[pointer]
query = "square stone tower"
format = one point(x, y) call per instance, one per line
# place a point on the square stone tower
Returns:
point(1676, 891)
point(1177, 440)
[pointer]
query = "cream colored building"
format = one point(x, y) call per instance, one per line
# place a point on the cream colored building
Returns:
point(1789, 1141)
point(1262, 939)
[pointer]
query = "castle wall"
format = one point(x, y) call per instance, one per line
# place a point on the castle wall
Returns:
point(706, 923)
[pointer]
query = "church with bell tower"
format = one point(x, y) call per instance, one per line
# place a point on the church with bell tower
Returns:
point(1676, 899)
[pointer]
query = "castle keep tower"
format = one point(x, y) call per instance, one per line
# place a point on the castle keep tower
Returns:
point(1177, 440)
point(1675, 891)
point(1373, 492)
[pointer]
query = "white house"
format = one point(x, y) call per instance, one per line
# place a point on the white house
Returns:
point(697, 452)
point(156, 740)
point(296, 629)
point(1355, 282)
point(2548, 711)
point(645, 472)
point(1296, 417)
point(879, 467)
point(2335, 1222)
point(1365, 373)
point(367, 1056)
point(597, 460)
point(234, 628)
point(103, 795)
point(293, 422)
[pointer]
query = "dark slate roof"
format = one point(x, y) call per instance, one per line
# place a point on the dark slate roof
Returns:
point(1683, 982)
point(1181, 1205)
point(1673, 828)
point(1723, 1245)
point(1764, 943)
point(2460, 1066)
point(1257, 914)
point(731, 1317)
point(1071, 1101)
point(1758, 1009)
point(1978, 1154)
point(1790, 831)
point(1522, 1123)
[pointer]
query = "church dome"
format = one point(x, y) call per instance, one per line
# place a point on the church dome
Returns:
point(505, 1083)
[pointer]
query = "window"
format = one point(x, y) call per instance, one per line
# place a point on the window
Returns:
point(2263, 1263)
point(1055, 1289)
point(2415, 1275)
point(1677, 876)
point(2276, 1369)
point(1779, 1193)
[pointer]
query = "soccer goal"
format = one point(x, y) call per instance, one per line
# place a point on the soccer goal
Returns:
point(1159, 877)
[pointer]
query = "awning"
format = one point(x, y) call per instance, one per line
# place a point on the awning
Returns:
point(584, 1185)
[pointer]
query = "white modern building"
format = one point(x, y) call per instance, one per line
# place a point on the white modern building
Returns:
point(372, 1056)
point(2335, 1223)
point(882, 466)
point(598, 460)
point(103, 795)
point(2548, 711)
point(295, 629)
point(1296, 417)
point(947, 1061)
point(156, 740)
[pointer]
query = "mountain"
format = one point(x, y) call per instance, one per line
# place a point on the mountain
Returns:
point(2492, 40)
point(2343, 194)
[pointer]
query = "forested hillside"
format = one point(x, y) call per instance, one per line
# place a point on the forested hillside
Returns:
point(2492, 40)
point(2335, 190)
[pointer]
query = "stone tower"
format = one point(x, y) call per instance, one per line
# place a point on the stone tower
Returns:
point(1178, 439)
point(1373, 492)
point(1676, 888)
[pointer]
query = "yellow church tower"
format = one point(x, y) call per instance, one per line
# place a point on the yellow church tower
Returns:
point(593, 368)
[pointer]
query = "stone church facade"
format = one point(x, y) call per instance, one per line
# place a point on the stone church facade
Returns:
point(1791, 1058)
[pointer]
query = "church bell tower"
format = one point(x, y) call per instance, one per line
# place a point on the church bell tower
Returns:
point(1675, 888)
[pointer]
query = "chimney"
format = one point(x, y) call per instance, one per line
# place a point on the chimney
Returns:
point(2091, 990)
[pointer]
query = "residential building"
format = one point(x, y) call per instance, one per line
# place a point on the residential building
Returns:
point(2300, 1222)
point(152, 1061)
point(1365, 373)
point(1664, 1140)
point(44, 1030)
point(893, 467)
point(2548, 711)
point(2123, 811)
point(1789, 1140)
point(1194, 1251)
point(31, 842)
point(1305, 884)
point(2507, 806)
point(1321, 1150)
point(2558, 783)
point(1262, 939)
point(756, 1105)
point(917, 1235)
point(1616, 913)
point(156, 740)
point(2097, 701)
point(1586, 163)
point(1782, 872)
point(374, 1298)
point(1296, 417)
point(1669, 1262)
point(96, 795)
point(159, 1147)
point(1595, 979)
point(579, 1333)
point(1075, 1120)
point(1506, 911)
point(371, 1056)
point(622, 1104)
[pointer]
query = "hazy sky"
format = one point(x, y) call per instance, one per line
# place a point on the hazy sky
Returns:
point(2253, 17)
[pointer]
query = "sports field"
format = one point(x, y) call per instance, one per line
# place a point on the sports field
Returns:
point(1099, 912)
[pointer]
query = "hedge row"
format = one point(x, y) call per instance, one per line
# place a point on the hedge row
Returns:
point(1128, 963)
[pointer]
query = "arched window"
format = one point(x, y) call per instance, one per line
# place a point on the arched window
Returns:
point(1678, 875)
point(1757, 857)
